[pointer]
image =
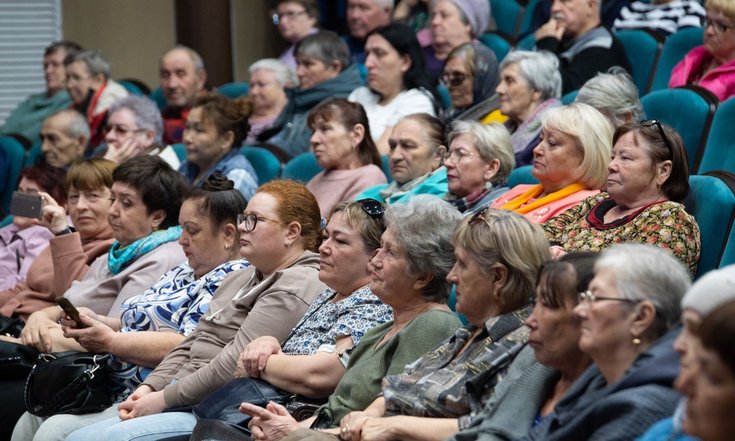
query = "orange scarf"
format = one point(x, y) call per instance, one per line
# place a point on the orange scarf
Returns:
point(519, 203)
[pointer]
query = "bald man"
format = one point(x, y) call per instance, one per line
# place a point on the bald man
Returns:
point(182, 77)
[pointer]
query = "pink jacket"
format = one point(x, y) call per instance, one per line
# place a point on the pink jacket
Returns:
point(720, 81)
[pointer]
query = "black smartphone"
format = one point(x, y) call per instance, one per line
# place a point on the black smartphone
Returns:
point(26, 205)
point(71, 311)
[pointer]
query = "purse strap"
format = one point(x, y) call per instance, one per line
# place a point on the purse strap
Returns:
point(62, 396)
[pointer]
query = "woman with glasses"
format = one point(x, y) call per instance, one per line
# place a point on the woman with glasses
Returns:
point(626, 315)
point(295, 19)
point(547, 367)
point(530, 85)
point(345, 150)
point(478, 163)
point(570, 163)
point(712, 65)
point(215, 129)
point(470, 75)
point(397, 82)
point(647, 182)
point(280, 231)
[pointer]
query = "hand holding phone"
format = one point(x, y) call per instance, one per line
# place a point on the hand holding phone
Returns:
point(26, 205)
point(71, 311)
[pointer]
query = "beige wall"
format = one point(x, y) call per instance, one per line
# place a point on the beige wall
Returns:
point(134, 33)
point(131, 33)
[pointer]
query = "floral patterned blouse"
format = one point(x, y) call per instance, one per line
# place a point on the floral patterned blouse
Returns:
point(174, 304)
point(325, 321)
point(663, 224)
point(435, 384)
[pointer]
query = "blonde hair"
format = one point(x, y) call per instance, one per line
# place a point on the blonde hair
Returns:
point(727, 7)
point(594, 133)
point(501, 236)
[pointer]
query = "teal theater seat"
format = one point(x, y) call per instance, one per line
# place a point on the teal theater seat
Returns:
point(675, 47)
point(521, 175)
point(302, 167)
point(499, 44)
point(234, 90)
point(643, 48)
point(15, 155)
point(265, 163)
point(719, 151)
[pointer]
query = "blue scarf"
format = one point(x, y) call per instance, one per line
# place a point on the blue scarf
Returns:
point(118, 258)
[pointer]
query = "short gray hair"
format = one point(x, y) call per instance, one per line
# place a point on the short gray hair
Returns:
point(614, 94)
point(285, 76)
point(325, 46)
point(94, 60)
point(145, 111)
point(492, 141)
point(540, 70)
point(194, 55)
point(593, 133)
point(384, 4)
point(423, 228)
point(77, 125)
point(645, 272)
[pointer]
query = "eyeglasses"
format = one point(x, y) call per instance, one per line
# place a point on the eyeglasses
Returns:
point(122, 130)
point(372, 207)
point(718, 26)
point(278, 18)
point(453, 80)
point(250, 221)
point(657, 123)
point(457, 155)
point(588, 297)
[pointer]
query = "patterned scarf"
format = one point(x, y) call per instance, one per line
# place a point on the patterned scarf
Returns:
point(118, 258)
point(531, 127)
point(467, 202)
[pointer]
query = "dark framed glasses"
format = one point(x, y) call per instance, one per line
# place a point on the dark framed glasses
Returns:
point(657, 123)
point(453, 80)
point(372, 207)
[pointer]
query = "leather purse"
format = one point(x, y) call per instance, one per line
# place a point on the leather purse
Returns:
point(69, 382)
point(16, 360)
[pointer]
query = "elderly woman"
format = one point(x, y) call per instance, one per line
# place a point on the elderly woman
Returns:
point(615, 95)
point(544, 370)
point(397, 81)
point(268, 79)
point(143, 213)
point(324, 71)
point(570, 163)
point(647, 182)
point(478, 163)
point(154, 322)
point(91, 90)
point(215, 129)
point(470, 74)
point(344, 148)
point(712, 65)
point(425, 400)
point(709, 293)
point(134, 127)
point(409, 274)
point(87, 185)
point(295, 19)
point(710, 389)
point(415, 159)
point(453, 23)
point(530, 84)
point(23, 240)
point(279, 232)
point(632, 301)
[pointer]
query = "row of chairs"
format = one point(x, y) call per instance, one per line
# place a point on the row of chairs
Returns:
point(651, 57)
point(711, 201)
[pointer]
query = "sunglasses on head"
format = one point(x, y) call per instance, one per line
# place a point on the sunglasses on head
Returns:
point(372, 207)
point(657, 123)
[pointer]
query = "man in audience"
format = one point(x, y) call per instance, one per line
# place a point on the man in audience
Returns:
point(26, 119)
point(182, 77)
point(324, 71)
point(64, 137)
point(584, 47)
point(362, 17)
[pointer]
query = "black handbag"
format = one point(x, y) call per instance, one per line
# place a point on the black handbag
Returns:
point(16, 360)
point(69, 382)
point(10, 326)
